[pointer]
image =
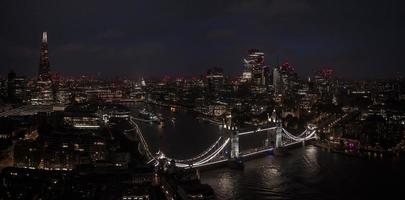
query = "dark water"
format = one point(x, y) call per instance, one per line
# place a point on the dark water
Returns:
point(310, 173)
point(303, 173)
point(181, 135)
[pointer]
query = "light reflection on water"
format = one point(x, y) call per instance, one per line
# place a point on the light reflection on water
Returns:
point(303, 173)
point(180, 135)
point(307, 173)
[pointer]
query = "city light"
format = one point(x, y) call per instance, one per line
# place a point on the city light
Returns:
point(202, 100)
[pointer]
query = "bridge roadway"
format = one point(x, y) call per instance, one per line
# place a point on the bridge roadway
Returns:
point(144, 144)
point(245, 155)
point(215, 156)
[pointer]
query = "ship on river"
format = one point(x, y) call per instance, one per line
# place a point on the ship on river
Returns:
point(147, 116)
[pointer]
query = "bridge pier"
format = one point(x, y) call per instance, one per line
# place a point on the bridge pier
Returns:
point(278, 150)
point(234, 136)
point(234, 145)
point(235, 162)
point(279, 136)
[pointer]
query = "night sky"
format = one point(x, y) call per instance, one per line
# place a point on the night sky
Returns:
point(358, 38)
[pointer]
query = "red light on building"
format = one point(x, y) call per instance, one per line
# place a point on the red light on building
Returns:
point(286, 66)
point(326, 72)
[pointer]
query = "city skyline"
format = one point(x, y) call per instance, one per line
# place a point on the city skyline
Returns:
point(358, 40)
point(258, 99)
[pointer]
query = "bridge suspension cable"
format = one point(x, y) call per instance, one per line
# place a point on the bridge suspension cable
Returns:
point(215, 149)
point(201, 154)
point(213, 155)
point(258, 130)
point(296, 138)
point(143, 141)
point(207, 159)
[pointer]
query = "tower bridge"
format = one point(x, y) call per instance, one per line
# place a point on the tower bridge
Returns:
point(227, 147)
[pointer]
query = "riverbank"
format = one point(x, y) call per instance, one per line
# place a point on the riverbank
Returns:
point(360, 153)
point(181, 108)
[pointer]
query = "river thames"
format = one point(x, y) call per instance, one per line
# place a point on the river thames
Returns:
point(302, 173)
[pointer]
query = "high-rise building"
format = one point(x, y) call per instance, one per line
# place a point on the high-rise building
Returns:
point(276, 80)
point(3, 87)
point(324, 81)
point(44, 92)
point(16, 88)
point(284, 78)
point(44, 69)
point(254, 68)
point(215, 79)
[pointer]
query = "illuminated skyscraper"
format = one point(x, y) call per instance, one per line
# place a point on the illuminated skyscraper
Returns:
point(215, 79)
point(254, 67)
point(43, 94)
point(276, 80)
point(44, 70)
point(284, 78)
point(16, 87)
point(325, 81)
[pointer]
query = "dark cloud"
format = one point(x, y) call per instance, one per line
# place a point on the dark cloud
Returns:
point(134, 38)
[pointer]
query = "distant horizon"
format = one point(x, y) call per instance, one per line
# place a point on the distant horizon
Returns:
point(189, 76)
point(32, 72)
point(359, 39)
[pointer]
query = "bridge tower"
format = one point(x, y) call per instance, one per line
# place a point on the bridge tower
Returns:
point(233, 135)
point(279, 134)
point(234, 144)
point(279, 128)
point(305, 135)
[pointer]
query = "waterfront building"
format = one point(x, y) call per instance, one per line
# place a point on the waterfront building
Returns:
point(82, 116)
